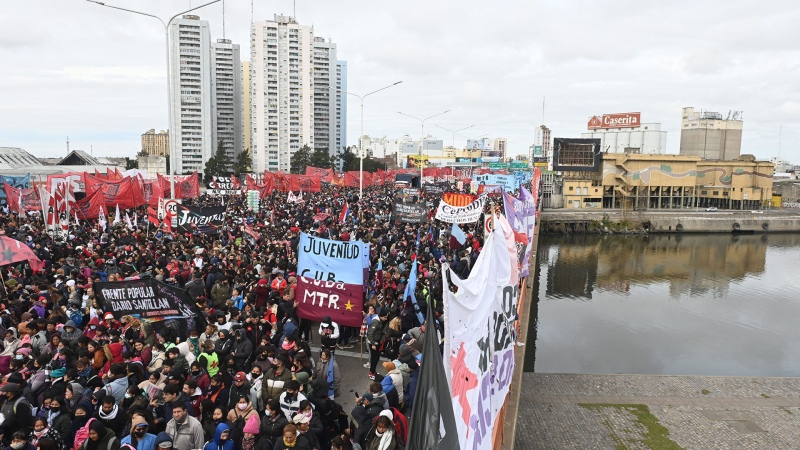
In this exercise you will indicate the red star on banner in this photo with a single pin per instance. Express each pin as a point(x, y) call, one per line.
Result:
point(463, 381)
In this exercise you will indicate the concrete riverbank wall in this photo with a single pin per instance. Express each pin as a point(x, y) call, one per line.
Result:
point(674, 222)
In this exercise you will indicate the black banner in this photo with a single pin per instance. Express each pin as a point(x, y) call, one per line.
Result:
point(410, 212)
point(433, 189)
point(145, 298)
point(205, 220)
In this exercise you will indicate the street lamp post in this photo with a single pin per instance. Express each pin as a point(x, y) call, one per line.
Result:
point(422, 139)
point(169, 82)
point(361, 137)
point(454, 132)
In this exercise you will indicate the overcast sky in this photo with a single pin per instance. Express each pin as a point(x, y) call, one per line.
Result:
point(73, 68)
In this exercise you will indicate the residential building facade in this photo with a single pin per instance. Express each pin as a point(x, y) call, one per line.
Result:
point(155, 144)
point(341, 105)
point(190, 79)
point(282, 91)
point(226, 102)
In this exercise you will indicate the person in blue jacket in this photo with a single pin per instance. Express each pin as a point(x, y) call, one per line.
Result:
point(139, 437)
point(221, 441)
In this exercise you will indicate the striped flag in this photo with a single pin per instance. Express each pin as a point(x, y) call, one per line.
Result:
point(345, 212)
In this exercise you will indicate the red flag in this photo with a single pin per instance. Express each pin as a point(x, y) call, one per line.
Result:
point(12, 250)
point(188, 187)
point(345, 212)
point(251, 233)
point(235, 181)
point(89, 207)
point(13, 198)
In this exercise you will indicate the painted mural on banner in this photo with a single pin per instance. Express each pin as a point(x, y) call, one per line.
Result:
point(144, 298)
point(205, 220)
point(329, 260)
point(342, 302)
point(509, 182)
point(479, 346)
point(460, 214)
point(410, 212)
point(20, 182)
point(521, 214)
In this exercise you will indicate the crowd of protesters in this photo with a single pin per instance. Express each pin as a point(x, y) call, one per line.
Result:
point(75, 377)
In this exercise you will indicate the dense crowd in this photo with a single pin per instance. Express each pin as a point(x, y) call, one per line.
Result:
point(243, 375)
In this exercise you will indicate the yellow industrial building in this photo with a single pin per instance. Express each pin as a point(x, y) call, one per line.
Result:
point(647, 181)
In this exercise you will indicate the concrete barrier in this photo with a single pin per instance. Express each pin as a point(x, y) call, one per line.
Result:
point(727, 224)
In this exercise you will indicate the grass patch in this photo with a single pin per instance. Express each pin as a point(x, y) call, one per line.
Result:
point(705, 392)
point(787, 410)
point(655, 436)
point(765, 395)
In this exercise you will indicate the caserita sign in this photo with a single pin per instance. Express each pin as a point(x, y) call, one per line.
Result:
point(618, 120)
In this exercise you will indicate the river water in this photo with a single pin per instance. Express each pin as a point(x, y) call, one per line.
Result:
point(687, 305)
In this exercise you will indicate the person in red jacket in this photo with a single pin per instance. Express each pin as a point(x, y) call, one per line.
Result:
point(262, 293)
point(278, 284)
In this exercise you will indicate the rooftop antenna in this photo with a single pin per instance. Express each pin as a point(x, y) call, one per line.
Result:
point(780, 134)
point(294, 10)
point(68, 145)
point(91, 150)
point(543, 99)
point(223, 19)
point(252, 8)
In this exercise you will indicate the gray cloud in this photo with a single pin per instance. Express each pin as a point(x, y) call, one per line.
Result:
point(71, 67)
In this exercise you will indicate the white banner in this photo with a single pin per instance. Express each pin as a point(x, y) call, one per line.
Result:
point(329, 260)
point(460, 214)
point(480, 340)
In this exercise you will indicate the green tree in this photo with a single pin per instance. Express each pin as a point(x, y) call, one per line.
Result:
point(321, 158)
point(350, 161)
point(131, 163)
point(300, 160)
point(243, 162)
point(219, 164)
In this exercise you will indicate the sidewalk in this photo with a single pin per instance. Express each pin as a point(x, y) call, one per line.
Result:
point(566, 411)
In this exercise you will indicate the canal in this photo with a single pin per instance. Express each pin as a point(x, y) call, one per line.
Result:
point(687, 305)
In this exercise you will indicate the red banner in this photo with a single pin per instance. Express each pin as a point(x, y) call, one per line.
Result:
point(89, 207)
point(75, 179)
point(317, 299)
point(152, 192)
point(127, 192)
point(305, 183)
point(187, 187)
point(325, 174)
point(13, 196)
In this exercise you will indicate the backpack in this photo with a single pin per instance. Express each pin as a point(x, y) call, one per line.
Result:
point(391, 347)
point(76, 317)
point(400, 424)
point(82, 434)
point(332, 418)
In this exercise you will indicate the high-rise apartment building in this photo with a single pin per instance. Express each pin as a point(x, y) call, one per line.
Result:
point(325, 85)
point(709, 136)
point(247, 123)
point(226, 102)
point(501, 147)
point(282, 91)
point(190, 78)
point(155, 144)
point(341, 105)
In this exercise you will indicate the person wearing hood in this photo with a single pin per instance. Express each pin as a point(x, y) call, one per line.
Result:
point(96, 355)
point(328, 333)
point(111, 415)
point(242, 349)
point(139, 438)
point(70, 334)
point(42, 430)
point(73, 395)
point(163, 441)
point(91, 328)
point(19, 441)
point(224, 344)
point(222, 439)
point(210, 417)
point(157, 357)
point(100, 438)
point(10, 346)
point(80, 416)
point(187, 351)
point(142, 351)
point(239, 415)
point(200, 375)
point(118, 382)
point(148, 335)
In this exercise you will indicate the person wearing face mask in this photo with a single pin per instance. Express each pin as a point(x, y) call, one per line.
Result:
point(321, 371)
point(200, 375)
point(139, 438)
point(19, 441)
point(274, 380)
point(238, 417)
point(314, 430)
point(222, 439)
point(111, 415)
point(274, 421)
point(58, 418)
point(291, 398)
point(81, 415)
point(100, 438)
point(42, 430)
point(10, 346)
point(16, 409)
point(242, 388)
point(210, 418)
